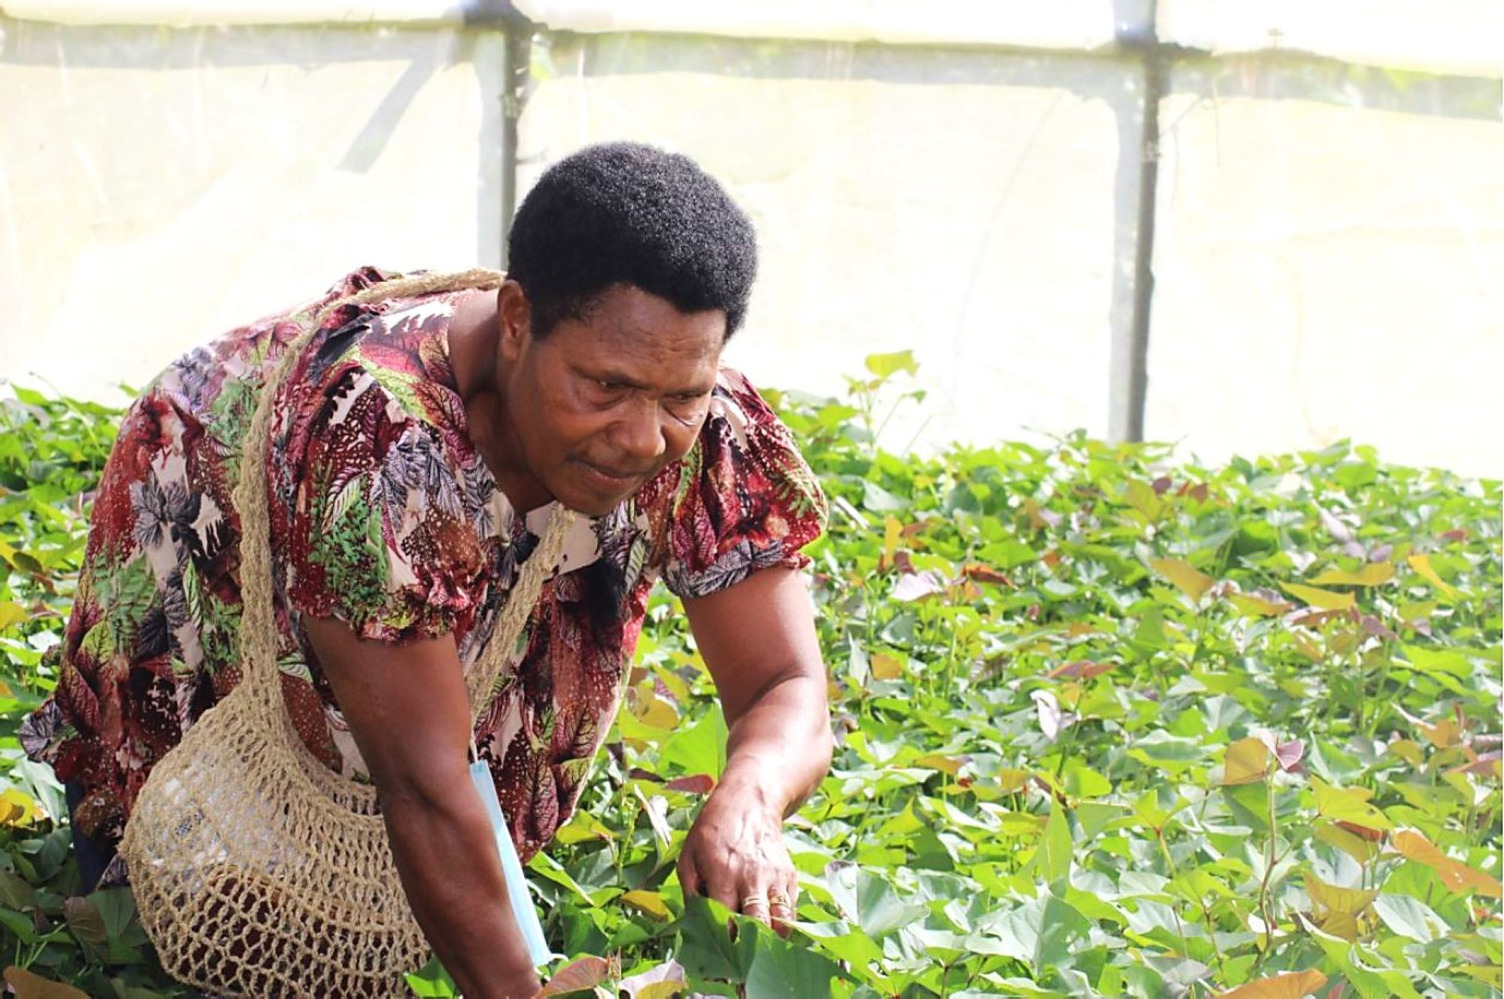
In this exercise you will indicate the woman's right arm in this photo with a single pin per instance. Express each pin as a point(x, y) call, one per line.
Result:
point(408, 711)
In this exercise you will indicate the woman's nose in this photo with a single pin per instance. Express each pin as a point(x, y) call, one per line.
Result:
point(640, 434)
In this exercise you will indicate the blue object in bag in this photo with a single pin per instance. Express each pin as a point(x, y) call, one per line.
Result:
point(511, 867)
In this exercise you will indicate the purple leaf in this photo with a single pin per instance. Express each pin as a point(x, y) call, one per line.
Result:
point(1289, 754)
point(918, 586)
point(1051, 718)
point(1339, 531)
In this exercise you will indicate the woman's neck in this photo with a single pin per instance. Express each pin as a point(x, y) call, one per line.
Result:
point(474, 335)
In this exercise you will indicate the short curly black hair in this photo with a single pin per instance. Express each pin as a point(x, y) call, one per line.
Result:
point(627, 213)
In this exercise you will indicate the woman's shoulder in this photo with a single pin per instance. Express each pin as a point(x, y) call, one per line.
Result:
point(382, 502)
point(386, 366)
point(743, 427)
point(401, 347)
point(742, 499)
point(744, 455)
point(736, 406)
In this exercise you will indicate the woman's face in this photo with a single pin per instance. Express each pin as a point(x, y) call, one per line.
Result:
point(600, 405)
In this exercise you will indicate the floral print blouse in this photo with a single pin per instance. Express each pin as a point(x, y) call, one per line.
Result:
point(384, 515)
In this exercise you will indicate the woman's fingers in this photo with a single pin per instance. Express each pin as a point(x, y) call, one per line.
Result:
point(765, 893)
point(736, 855)
point(752, 891)
point(782, 902)
point(700, 874)
point(689, 878)
point(772, 902)
point(780, 911)
point(755, 905)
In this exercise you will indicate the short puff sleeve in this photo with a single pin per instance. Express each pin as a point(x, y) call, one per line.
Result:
point(375, 530)
point(745, 498)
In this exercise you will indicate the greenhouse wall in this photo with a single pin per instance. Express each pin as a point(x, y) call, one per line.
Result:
point(1313, 255)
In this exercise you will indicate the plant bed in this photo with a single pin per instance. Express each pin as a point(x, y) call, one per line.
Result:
point(1108, 723)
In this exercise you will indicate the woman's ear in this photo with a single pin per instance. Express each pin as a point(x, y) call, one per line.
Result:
point(514, 313)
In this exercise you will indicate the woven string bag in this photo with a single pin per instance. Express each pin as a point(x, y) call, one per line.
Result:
point(258, 872)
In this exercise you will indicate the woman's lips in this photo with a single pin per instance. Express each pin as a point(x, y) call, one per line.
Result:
point(613, 476)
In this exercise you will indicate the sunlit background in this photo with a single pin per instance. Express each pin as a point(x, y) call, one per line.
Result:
point(1246, 227)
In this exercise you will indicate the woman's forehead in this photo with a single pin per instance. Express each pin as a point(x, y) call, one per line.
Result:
point(627, 320)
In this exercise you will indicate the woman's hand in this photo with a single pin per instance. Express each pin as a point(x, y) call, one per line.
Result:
point(523, 985)
point(735, 854)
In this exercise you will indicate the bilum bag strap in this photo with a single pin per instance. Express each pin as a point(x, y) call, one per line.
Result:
point(258, 631)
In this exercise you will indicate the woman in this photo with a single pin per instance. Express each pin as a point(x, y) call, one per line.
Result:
point(420, 447)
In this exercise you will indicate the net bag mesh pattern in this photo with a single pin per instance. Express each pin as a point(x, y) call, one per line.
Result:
point(257, 871)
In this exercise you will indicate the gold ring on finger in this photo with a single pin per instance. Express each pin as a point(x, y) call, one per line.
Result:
point(752, 900)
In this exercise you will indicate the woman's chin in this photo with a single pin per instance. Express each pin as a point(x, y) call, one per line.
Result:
point(594, 493)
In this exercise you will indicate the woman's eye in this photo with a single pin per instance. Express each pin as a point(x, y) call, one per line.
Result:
point(686, 407)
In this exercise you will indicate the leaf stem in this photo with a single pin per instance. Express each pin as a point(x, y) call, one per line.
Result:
point(1264, 910)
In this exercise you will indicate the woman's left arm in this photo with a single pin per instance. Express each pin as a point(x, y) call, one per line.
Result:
point(758, 640)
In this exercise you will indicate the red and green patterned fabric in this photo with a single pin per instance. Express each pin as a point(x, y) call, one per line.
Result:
point(384, 515)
